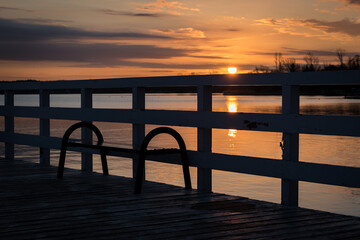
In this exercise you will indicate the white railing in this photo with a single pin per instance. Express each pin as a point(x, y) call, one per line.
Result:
point(289, 122)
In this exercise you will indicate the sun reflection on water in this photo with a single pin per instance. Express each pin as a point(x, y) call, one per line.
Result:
point(232, 133)
point(232, 108)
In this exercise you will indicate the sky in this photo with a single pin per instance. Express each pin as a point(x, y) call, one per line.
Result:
point(90, 39)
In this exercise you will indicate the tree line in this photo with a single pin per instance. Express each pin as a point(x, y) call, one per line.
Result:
point(311, 64)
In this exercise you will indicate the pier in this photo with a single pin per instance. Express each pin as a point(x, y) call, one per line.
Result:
point(36, 205)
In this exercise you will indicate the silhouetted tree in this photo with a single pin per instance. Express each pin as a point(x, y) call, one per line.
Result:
point(278, 62)
point(354, 63)
point(311, 63)
point(290, 65)
point(340, 53)
point(213, 71)
point(330, 67)
point(262, 69)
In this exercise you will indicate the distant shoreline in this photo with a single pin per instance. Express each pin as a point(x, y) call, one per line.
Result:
point(347, 91)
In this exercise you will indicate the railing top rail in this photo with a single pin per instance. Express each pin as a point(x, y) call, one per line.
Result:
point(301, 78)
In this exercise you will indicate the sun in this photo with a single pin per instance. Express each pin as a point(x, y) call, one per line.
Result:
point(232, 107)
point(232, 70)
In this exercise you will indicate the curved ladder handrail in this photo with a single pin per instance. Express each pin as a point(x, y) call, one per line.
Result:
point(65, 141)
point(144, 145)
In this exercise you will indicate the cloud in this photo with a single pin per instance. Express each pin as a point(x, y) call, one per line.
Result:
point(302, 52)
point(42, 21)
point(157, 65)
point(181, 32)
point(325, 11)
point(14, 9)
point(174, 8)
point(290, 25)
point(131, 14)
point(354, 2)
point(26, 32)
point(209, 57)
point(27, 40)
point(233, 30)
point(321, 53)
point(349, 27)
point(163, 66)
point(346, 4)
point(103, 55)
point(97, 53)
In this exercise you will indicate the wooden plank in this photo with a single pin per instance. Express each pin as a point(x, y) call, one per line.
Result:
point(345, 229)
point(138, 129)
point(9, 124)
point(290, 144)
point(91, 206)
point(44, 102)
point(204, 138)
point(265, 230)
point(86, 134)
point(171, 217)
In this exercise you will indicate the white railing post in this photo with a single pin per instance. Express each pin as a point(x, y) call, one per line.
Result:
point(86, 134)
point(9, 124)
point(44, 127)
point(138, 104)
point(290, 106)
point(204, 138)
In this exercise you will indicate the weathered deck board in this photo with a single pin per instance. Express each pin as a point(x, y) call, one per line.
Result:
point(35, 205)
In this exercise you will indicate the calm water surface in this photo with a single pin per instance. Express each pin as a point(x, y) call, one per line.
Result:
point(336, 150)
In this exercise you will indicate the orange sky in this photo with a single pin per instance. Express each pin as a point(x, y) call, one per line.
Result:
point(83, 39)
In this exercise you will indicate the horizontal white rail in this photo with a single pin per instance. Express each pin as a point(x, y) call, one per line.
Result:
point(301, 171)
point(289, 122)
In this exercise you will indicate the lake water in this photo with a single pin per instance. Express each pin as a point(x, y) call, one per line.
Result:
point(336, 150)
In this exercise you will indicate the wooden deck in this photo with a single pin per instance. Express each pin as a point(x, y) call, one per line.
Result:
point(35, 205)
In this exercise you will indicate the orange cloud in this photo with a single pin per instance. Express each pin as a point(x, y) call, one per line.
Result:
point(313, 27)
point(182, 32)
point(325, 11)
point(347, 4)
point(354, 2)
point(14, 9)
point(165, 6)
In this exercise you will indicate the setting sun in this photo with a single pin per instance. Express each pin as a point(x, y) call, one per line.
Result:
point(232, 107)
point(232, 70)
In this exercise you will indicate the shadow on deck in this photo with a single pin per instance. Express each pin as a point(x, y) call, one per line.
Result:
point(35, 205)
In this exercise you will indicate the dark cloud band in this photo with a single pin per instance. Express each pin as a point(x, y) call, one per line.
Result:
point(131, 14)
point(355, 2)
point(88, 53)
point(302, 52)
point(11, 31)
point(346, 26)
point(14, 9)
